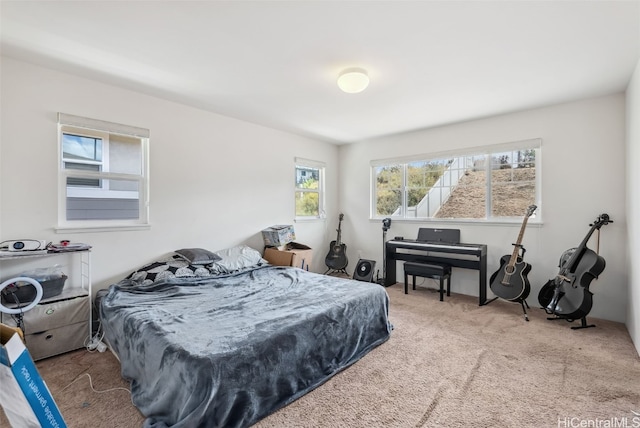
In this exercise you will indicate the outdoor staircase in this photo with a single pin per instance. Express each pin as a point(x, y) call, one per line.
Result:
point(441, 190)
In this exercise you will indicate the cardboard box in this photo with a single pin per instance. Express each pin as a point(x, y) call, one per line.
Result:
point(25, 398)
point(294, 254)
point(278, 235)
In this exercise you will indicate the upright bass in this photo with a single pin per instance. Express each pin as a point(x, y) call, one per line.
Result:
point(567, 296)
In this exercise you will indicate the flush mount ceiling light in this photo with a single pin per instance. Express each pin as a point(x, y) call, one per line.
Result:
point(353, 80)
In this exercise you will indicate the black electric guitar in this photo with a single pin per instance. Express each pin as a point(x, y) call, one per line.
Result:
point(337, 257)
point(510, 281)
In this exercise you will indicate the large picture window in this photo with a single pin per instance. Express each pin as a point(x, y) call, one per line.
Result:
point(493, 183)
point(309, 189)
point(103, 174)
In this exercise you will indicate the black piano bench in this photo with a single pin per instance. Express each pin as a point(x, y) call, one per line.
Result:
point(435, 271)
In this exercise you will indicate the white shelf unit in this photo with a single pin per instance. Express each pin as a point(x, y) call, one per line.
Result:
point(65, 313)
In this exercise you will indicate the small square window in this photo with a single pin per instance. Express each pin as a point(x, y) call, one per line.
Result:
point(103, 174)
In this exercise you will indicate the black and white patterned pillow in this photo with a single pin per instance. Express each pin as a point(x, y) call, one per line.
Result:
point(173, 266)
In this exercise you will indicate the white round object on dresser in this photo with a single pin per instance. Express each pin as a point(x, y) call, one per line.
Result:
point(31, 305)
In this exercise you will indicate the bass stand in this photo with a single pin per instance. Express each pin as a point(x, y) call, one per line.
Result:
point(386, 224)
point(583, 322)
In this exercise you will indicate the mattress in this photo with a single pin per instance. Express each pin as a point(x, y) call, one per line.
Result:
point(228, 350)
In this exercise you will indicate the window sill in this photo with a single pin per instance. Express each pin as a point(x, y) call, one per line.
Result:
point(308, 219)
point(119, 228)
point(470, 222)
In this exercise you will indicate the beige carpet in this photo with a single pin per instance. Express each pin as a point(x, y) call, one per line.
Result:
point(449, 364)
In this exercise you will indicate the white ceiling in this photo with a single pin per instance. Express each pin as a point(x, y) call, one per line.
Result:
point(275, 63)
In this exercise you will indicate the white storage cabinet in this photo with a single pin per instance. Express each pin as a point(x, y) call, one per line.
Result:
point(59, 323)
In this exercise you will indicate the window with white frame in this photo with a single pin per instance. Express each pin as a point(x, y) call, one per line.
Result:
point(103, 174)
point(309, 189)
point(491, 183)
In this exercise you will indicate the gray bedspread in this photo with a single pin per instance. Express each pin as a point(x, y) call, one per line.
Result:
point(228, 351)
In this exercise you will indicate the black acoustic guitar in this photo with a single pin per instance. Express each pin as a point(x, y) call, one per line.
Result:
point(337, 257)
point(510, 281)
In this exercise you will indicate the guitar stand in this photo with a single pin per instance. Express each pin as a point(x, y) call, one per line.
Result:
point(523, 302)
point(583, 322)
point(336, 271)
point(525, 306)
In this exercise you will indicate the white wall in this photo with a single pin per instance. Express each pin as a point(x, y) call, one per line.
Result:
point(202, 193)
point(583, 175)
point(215, 181)
point(633, 205)
point(1, 105)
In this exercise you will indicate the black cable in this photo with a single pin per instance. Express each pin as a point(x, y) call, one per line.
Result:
point(19, 319)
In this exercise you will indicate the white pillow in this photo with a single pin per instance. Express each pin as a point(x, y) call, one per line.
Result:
point(236, 258)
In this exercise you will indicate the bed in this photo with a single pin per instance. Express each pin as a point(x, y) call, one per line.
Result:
point(226, 342)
